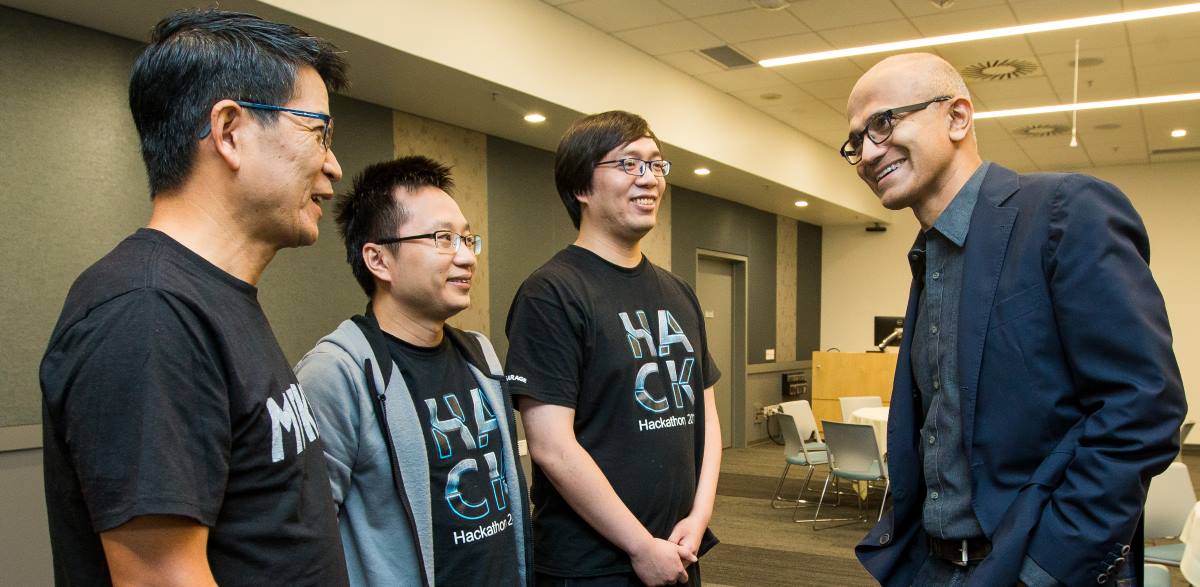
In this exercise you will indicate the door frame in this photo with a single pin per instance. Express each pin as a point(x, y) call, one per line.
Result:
point(736, 372)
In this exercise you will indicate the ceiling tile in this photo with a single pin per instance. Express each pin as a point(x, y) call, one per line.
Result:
point(925, 7)
point(803, 73)
point(1096, 37)
point(557, 2)
point(834, 89)
point(870, 34)
point(1165, 51)
point(1184, 26)
point(690, 63)
point(748, 25)
point(831, 14)
point(669, 38)
point(963, 21)
point(838, 105)
point(1030, 11)
point(695, 8)
point(961, 55)
point(1053, 153)
point(735, 80)
point(1110, 80)
point(1006, 152)
point(1015, 93)
point(619, 15)
point(1163, 118)
point(783, 46)
point(990, 130)
point(1168, 78)
point(786, 96)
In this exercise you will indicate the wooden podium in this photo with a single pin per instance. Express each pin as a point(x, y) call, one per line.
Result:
point(836, 375)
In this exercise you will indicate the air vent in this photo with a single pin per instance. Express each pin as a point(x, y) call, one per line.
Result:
point(1043, 130)
point(728, 57)
point(1179, 151)
point(999, 69)
point(1107, 126)
point(1086, 62)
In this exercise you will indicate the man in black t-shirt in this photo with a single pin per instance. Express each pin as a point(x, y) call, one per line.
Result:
point(608, 355)
point(178, 443)
point(419, 434)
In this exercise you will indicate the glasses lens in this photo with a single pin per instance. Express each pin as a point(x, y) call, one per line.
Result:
point(631, 166)
point(660, 168)
point(445, 240)
point(879, 128)
point(475, 242)
point(851, 153)
point(327, 138)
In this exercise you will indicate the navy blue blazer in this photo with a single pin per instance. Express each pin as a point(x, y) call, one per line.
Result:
point(1072, 398)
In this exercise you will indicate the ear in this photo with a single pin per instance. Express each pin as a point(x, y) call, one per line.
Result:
point(228, 123)
point(962, 118)
point(378, 261)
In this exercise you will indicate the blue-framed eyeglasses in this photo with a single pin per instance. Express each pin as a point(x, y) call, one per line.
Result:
point(444, 240)
point(326, 130)
point(633, 166)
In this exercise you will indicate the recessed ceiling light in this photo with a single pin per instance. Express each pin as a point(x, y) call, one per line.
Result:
point(702, 171)
point(534, 117)
point(801, 204)
point(1039, 27)
point(1179, 133)
point(1089, 105)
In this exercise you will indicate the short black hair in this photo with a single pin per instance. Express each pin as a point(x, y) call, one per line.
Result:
point(197, 58)
point(370, 212)
point(584, 145)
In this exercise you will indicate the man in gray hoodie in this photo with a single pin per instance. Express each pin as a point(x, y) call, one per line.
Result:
point(419, 434)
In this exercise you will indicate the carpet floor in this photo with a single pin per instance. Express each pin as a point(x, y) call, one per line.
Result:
point(763, 547)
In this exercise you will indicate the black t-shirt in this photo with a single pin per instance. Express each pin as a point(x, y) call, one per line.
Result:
point(166, 393)
point(474, 542)
point(626, 348)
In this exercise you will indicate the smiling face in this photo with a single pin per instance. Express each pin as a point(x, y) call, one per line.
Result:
point(288, 172)
point(918, 160)
point(619, 205)
point(425, 281)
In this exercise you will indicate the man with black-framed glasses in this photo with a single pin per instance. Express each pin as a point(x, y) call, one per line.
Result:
point(179, 447)
point(1036, 390)
point(417, 425)
point(609, 360)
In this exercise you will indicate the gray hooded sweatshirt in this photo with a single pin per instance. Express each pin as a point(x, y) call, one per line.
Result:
point(381, 484)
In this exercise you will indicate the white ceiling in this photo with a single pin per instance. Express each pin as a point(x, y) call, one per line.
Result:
point(1144, 58)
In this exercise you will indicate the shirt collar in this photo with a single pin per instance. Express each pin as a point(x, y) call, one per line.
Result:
point(955, 220)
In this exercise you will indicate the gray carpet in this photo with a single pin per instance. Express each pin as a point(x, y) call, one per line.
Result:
point(761, 546)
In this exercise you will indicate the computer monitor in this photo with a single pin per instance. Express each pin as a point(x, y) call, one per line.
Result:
point(885, 326)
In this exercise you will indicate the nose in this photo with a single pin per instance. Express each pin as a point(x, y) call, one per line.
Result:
point(872, 152)
point(331, 168)
point(465, 256)
point(647, 178)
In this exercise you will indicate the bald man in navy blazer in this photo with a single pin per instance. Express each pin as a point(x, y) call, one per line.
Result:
point(1036, 389)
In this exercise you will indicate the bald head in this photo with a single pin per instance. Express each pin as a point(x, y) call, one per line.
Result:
point(911, 77)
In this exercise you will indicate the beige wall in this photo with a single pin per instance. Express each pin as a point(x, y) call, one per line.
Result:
point(465, 151)
point(785, 289)
point(865, 274)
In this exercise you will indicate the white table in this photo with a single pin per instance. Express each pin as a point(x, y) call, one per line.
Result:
point(877, 418)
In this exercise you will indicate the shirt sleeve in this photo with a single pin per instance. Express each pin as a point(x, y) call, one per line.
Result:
point(146, 413)
point(545, 352)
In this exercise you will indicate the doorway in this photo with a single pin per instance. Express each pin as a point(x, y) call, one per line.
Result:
point(720, 286)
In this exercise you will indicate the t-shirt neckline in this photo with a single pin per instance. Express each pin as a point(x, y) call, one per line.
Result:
point(629, 271)
point(200, 262)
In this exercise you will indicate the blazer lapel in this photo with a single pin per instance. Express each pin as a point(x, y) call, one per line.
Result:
point(987, 242)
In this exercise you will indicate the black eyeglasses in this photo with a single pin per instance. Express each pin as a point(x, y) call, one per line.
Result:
point(879, 128)
point(632, 166)
point(326, 130)
point(444, 240)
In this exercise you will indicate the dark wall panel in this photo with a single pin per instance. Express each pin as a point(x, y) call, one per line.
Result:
point(700, 221)
point(808, 290)
point(527, 223)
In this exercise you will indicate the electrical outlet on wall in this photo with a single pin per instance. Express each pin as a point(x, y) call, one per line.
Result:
point(770, 355)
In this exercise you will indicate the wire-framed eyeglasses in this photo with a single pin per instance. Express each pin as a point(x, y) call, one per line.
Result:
point(445, 241)
point(879, 128)
point(326, 129)
point(634, 166)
